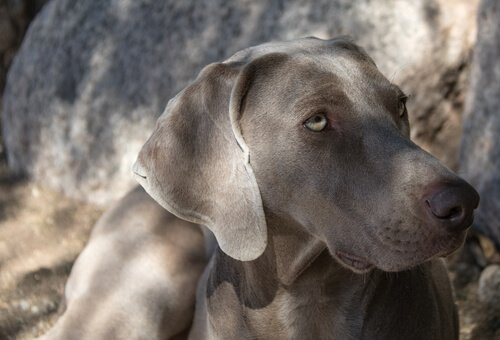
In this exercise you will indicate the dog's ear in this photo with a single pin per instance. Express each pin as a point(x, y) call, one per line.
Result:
point(199, 164)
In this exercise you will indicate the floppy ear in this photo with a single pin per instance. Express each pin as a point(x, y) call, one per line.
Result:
point(199, 163)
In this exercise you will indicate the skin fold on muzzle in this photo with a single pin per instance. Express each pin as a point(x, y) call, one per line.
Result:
point(297, 157)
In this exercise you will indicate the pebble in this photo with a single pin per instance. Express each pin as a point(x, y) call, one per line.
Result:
point(489, 286)
point(24, 305)
point(35, 310)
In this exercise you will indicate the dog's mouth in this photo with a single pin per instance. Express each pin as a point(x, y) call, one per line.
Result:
point(451, 244)
point(355, 263)
point(427, 249)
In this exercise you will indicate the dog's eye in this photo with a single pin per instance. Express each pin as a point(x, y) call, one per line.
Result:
point(316, 123)
point(402, 105)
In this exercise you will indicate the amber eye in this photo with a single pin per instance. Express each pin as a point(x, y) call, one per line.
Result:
point(316, 123)
point(402, 106)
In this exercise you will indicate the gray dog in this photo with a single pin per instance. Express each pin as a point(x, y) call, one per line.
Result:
point(329, 221)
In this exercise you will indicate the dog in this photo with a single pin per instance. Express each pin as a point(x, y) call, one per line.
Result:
point(136, 277)
point(329, 221)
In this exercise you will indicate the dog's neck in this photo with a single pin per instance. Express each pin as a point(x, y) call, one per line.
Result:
point(289, 253)
point(297, 274)
point(291, 250)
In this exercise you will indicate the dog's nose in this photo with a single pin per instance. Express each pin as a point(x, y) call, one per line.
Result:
point(453, 205)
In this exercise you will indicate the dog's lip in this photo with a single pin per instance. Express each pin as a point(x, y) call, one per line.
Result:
point(453, 244)
point(442, 247)
point(357, 263)
point(138, 171)
point(139, 175)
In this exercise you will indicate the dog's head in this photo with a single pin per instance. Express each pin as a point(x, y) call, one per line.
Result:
point(309, 130)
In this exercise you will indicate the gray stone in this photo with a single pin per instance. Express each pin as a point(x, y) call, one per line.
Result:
point(480, 150)
point(489, 286)
point(92, 76)
point(15, 16)
point(7, 31)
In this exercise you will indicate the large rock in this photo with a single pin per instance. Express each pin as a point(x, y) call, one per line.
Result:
point(480, 151)
point(15, 16)
point(92, 76)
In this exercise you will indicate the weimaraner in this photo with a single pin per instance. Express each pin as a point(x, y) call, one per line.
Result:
point(329, 221)
point(136, 278)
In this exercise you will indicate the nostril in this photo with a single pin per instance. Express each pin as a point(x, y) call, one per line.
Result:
point(428, 204)
point(448, 213)
point(454, 212)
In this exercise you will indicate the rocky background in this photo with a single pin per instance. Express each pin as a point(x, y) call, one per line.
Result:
point(15, 16)
point(91, 76)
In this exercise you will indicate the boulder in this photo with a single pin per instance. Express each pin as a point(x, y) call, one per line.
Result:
point(480, 149)
point(15, 16)
point(92, 76)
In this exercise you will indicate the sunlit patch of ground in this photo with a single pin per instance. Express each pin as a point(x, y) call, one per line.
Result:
point(41, 234)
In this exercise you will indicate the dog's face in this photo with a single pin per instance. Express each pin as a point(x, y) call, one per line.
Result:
point(325, 137)
point(334, 154)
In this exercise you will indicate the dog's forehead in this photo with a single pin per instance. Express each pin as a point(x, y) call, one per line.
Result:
point(339, 58)
point(324, 69)
point(356, 75)
point(330, 76)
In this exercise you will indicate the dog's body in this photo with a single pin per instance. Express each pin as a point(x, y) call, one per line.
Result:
point(136, 278)
point(328, 218)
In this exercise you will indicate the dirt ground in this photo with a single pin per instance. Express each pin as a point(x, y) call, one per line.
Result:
point(42, 232)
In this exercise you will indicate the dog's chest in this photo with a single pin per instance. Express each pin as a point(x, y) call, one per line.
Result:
point(312, 313)
point(334, 307)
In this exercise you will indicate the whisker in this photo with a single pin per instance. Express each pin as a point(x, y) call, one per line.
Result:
point(396, 72)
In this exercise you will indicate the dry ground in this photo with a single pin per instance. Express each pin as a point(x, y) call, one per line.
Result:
point(42, 232)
